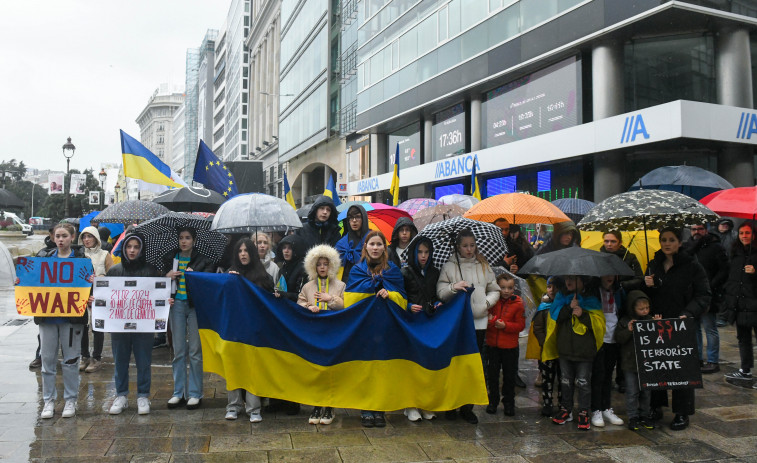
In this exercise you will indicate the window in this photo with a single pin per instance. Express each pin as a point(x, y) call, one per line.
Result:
point(443, 24)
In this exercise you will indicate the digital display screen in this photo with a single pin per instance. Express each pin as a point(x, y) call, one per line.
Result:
point(409, 139)
point(544, 180)
point(445, 190)
point(448, 132)
point(539, 103)
point(500, 185)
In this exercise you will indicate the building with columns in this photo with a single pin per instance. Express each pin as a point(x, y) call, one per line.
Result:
point(555, 97)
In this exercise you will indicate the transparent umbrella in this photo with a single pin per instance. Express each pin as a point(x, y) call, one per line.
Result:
point(251, 212)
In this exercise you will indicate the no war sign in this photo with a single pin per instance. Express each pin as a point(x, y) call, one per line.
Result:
point(51, 287)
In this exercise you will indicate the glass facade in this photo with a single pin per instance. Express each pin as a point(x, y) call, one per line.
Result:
point(305, 70)
point(306, 121)
point(666, 69)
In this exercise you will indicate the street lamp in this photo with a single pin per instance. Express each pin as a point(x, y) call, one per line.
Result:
point(68, 153)
point(102, 176)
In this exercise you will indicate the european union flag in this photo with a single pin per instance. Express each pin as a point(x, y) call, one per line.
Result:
point(212, 173)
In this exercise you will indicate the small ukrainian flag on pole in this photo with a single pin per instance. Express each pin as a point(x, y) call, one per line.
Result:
point(395, 188)
point(330, 191)
point(288, 192)
point(475, 189)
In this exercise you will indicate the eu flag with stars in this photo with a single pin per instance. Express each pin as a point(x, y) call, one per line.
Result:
point(212, 173)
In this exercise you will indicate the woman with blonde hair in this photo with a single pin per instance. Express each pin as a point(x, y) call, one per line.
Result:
point(263, 243)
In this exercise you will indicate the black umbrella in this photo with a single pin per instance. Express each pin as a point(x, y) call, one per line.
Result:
point(190, 199)
point(489, 239)
point(576, 261)
point(160, 237)
point(129, 212)
point(689, 180)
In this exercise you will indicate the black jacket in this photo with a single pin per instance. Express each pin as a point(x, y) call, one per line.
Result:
point(293, 271)
point(197, 262)
point(49, 247)
point(420, 284)
point(629, 282)
point(713, 258)
point(553, 244)
point(741, 287)
point(727, 239)
point(77, 252)
point(314, 232)
point(394, 242)
point(682, 290)
point(571, 345)
point(623, 336)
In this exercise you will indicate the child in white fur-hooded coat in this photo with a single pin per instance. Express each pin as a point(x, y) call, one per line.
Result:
point(322, 292)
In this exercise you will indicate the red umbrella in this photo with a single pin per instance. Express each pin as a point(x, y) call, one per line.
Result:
point(734, 202)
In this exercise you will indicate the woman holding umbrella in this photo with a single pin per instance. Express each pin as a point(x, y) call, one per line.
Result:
point(183, 322)
point(467, 270)
point(677, 286)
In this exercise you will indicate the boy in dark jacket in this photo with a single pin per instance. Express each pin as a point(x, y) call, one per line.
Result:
point(291, 252)
point(637, 401)
point(404, 232)
point(506, 321)
point(322, 226)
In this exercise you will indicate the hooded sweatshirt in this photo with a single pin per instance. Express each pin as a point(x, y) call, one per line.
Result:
point(351, 244)
point(623, 336)
point(554, 244)
point(293, 270)
point(96, 254)
point(330, 284)
point(420, 282)
point(394, 248)
point(314, 232)
point(133, 268)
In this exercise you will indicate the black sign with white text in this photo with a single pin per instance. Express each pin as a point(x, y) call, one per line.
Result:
point(666, 354)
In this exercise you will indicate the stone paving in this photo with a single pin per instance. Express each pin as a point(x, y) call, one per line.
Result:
point(723, 429)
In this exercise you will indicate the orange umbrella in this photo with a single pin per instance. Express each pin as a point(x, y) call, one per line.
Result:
point(516, 208)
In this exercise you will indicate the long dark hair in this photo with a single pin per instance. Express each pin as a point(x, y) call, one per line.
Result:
point(382, 263)
point(254, 271)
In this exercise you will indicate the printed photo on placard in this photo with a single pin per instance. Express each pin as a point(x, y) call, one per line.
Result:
point(128, 304)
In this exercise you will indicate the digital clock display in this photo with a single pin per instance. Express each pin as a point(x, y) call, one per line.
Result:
point(539, 103)
point(448, 132)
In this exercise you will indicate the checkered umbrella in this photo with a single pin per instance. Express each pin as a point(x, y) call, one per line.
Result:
point(160, 237)
point(489, 239)
point(129, 212)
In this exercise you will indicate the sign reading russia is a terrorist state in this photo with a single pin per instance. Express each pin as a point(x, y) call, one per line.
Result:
point(52, 287)
point(666, 354)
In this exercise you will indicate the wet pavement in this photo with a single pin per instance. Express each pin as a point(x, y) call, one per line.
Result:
point(723, 429)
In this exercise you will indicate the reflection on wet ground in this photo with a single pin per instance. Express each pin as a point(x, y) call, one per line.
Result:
point(724, 428)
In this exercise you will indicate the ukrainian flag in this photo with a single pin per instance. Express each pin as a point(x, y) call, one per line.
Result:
point(374, 355)
point(395, 188)
point(591, 305)
point(475, 189)
point(330, 191)
point(141, 163)
point(288, 192)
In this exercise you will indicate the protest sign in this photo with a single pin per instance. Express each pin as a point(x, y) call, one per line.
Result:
point(130, 304)
point(666, 354)
point(52, 287)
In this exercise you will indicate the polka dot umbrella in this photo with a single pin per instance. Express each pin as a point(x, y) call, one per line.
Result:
point(129, 212)
point(160, 237)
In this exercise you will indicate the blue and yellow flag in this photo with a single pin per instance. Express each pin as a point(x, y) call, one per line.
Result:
point(475, 190)
point(330, 191)
point(371, 356)
point(142, 164)
point(212, 173)
point(395, 188)
point(288, 192)
point(590, 304)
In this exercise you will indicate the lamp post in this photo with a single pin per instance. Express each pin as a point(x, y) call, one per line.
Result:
point(68, 153)
point(102, 176)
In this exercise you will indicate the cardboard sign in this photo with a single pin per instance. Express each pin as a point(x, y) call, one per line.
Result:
point(52, 287)
point(131, 304)
point(666, 354)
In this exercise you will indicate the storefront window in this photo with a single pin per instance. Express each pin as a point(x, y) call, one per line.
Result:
point(409, 140)
point(662, 70)
point(445, 190)
point(448, 132)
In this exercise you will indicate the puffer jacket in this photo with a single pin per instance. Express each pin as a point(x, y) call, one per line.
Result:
point(512, 312)
point(293, 270)
point(485, 292)
point(682, 290)
point(623, 336)
point(394, 242)
point(76, 252)
point(335, 287)
point(314, 232)
point(741, 287)
point(553, 244)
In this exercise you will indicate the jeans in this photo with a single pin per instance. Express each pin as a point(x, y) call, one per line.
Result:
point(239, 398)
point(507, 361)
point(744, 335)
point(186, 344)
point(550, 372)
point(637, 400)
point(601, 376)
point(707, 322)
point(580, 374)
point(123, 345)
point(66, 337)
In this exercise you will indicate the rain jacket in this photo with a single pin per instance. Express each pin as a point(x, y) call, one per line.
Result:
point(741, 287)
point(293, 270)
point(335, 286)
point(554, 243)
point(623, 336)
point(683, 290)
point(76, 252)
point(394, 242)
point(314, 232)
point(97, 255)
point(350, 246)
point(628, 282)
point(485, 292)
point(512, 312)
point(713, 258)
point(420, 283)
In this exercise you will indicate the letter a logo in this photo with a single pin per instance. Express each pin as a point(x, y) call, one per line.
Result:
point(633, 126)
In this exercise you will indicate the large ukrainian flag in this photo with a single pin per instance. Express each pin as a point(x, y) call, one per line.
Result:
point(141, 163)
point(374, 355)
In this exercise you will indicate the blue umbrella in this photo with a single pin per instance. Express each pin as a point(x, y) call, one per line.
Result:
point(692, 181)
point(115, 228)
point(574, 208)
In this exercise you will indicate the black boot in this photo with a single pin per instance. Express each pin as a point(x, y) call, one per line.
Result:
point(680, 422)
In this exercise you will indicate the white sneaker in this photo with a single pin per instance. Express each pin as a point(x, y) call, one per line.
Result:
point(48, 410)
point(428, 415)
point(256, 418)
point(231, 415)
point(119, 405)
point(143, 406)
point(413, 414)
point(69, 410)
point(596, 419)
point(610, 416)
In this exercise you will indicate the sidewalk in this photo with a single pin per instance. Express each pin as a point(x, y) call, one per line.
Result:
point(724, 428)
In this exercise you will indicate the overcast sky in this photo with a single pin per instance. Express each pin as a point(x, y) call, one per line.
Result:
point(86, 69)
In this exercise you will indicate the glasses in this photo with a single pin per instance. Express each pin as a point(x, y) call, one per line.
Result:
point(697, 228)
point(354, 218)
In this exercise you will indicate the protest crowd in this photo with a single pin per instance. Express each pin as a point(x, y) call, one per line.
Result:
point(580, 324)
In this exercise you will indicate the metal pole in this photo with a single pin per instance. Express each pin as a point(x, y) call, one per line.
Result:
point(68, 163)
